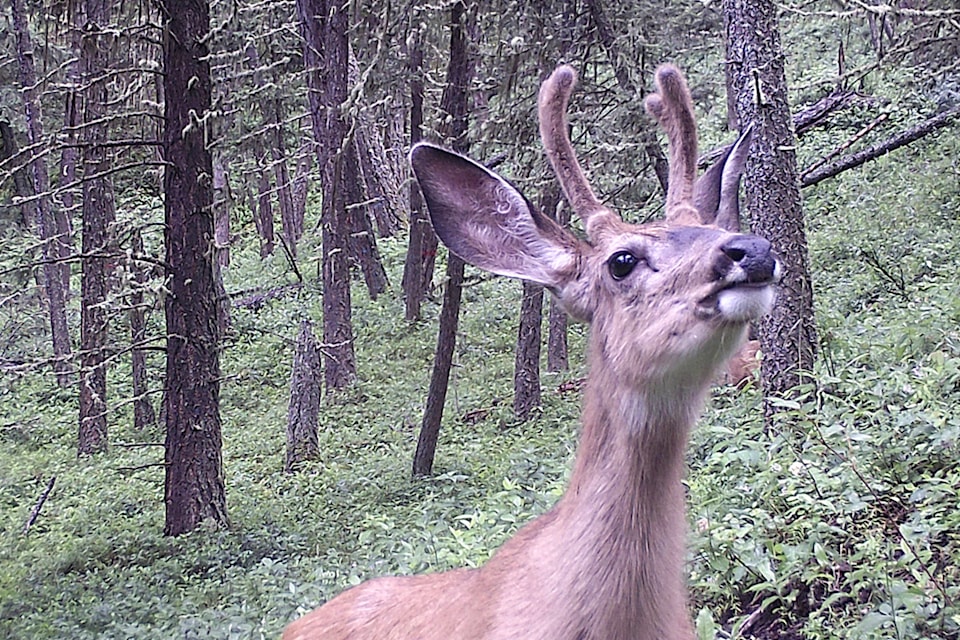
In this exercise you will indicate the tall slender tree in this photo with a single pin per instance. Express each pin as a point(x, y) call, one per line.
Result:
point(98, 218)
point(324, 26)
point(755, 74)
point(43, 219)
point(454, 105)
point(421, 236)
point(194, 487)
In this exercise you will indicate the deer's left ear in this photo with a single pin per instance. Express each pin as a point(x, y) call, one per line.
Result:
point(483, 219)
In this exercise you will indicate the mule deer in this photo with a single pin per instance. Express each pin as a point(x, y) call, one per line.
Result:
point(668, 303)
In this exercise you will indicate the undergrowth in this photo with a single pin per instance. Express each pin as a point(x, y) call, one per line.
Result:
point(841, 523)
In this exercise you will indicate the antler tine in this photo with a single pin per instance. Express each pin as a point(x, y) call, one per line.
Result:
point(672, 106)
point(554, 96)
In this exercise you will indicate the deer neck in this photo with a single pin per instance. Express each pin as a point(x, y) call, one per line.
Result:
point(631, 453)
point(624, 510)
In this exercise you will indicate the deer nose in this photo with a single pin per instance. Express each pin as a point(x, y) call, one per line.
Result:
point(754, 255)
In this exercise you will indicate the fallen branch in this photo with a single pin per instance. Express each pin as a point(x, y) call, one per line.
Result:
point(141, 467)
point(902, 139)
point(36, 508)
point(846, 144)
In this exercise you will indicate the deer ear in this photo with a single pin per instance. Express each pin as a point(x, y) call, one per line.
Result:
point(484, 219)
point(716, 193)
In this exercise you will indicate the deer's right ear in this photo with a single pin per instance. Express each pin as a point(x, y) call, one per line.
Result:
point(485, 220)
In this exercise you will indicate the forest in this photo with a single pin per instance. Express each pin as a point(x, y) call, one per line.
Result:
point(239, 374)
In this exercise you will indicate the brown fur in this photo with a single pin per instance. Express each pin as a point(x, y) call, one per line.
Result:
point(606, 563)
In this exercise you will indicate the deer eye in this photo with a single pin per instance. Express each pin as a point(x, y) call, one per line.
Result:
point(621, 264)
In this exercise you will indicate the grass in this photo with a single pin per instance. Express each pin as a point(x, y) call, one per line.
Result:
point(842, 525)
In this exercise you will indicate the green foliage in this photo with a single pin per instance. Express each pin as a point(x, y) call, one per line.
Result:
point(842, 524)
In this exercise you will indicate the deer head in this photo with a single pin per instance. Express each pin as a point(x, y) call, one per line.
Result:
point(667, 297)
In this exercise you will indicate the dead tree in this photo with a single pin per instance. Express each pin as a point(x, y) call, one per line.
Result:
point(304, 407)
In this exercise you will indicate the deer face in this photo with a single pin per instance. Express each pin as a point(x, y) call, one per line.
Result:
point(668, 299)
point(664, 298)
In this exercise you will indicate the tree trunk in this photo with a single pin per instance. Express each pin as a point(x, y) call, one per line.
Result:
point(263, 213)
point(42, 215)
point(413, 285)
point(755, 64)
point(222, 207)
point(194, 487)
point(292, 228)
point(324, 28)
point(304, 409)
point(526, 371)
point(363, 240)
point(98, 220)
point(301, 180)
point(453, 103)
point(143, 413)
point(21, 180)
point(557, 318)
point(442, 364)
point(69, 156)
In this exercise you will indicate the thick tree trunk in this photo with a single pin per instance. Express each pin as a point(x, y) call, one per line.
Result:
point(324, 27)
point(194, 487)
point(379, 179)
point(98, 220)
point(460, 70)
point(304, 409)
point(43, 219)
point(755, 64)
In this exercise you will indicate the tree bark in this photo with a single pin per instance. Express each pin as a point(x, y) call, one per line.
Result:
point(301, 179)
point(292, 226)
point(324, 28)
point(414, 287)
point(453, 103)
point(442, 364)
point(526, 370)
point(222, 207)
point(756, 67)
point(263, 213)
point(21, 180)
point(43, 220)
point(144, 415)
point(194, 487)
point(363, 240)
point(304, 408)
point(98, 220)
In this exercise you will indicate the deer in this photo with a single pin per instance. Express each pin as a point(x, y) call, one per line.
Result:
point(668, 302)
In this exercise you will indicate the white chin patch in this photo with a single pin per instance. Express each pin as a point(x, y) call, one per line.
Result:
point(743, 304)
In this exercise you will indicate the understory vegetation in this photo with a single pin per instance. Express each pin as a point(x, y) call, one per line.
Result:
point(842, 523)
